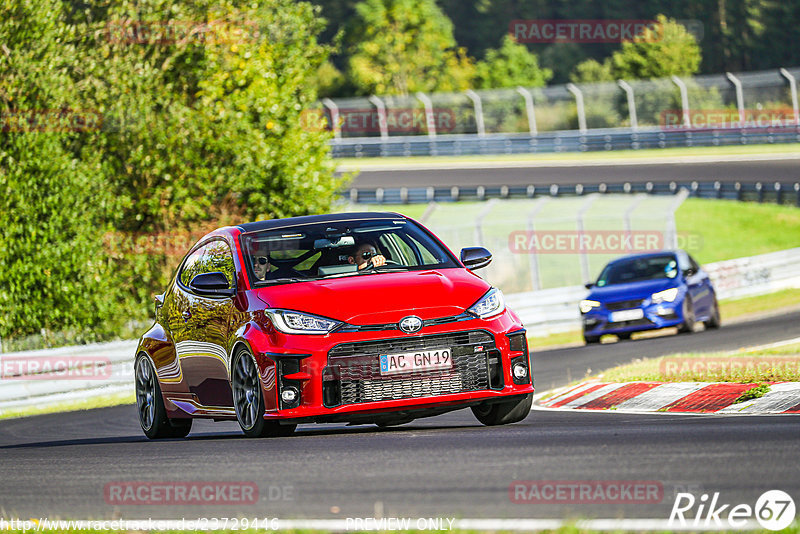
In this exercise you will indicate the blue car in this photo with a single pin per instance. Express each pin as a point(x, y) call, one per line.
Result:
point(647, 292)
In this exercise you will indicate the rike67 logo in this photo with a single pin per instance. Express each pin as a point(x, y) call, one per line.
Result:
point(774, 510)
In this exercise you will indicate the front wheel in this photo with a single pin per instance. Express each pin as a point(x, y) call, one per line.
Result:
point(150, 405)
point(249, 402)
point(504, 413)
point(687, 327)
point(714, 320)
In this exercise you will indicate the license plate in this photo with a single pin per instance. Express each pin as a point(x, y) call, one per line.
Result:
point(409, 362)
point(626, 315)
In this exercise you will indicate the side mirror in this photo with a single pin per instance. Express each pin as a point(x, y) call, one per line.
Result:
point(475, 257)
point(588, 285)
point(212, 284)
point(689, 272)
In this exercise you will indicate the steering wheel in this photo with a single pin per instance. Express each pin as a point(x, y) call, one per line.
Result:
point(371, 265)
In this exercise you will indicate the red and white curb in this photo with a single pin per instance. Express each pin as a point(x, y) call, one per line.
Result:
point(672, 397)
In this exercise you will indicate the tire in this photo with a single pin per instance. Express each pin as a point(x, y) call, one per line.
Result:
point(714, 321)
point(624, 336)
point(687, 327)
point(591, 339)
point(504, 413)
point(248, 400)
point(150, 405)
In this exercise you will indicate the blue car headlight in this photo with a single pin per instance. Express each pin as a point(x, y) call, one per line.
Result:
point(292, 322)
point(668, 295)
point(587, 305)
point(491, 304)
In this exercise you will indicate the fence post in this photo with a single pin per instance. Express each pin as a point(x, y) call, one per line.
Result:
point(631, 103)
point(584, 254)
point(536, 280)
point(476, 102)
point(739, 96)
point(671, 231)
point(627, 216)
point(793, 87)
point(479, 221)
point(334, 109)
point(382, 121)
point(430, 120)
point(687, 122)
point(529, 109)
point(572, 88)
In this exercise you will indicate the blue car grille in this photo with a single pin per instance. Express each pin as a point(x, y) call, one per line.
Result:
point(624, 304)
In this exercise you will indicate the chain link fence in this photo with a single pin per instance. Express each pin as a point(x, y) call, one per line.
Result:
point(765, 99)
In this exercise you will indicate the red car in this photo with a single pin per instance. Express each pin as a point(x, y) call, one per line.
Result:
point(363, 318)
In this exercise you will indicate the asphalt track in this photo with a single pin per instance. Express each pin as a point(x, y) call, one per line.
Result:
point(780, 168)
point(448, 466)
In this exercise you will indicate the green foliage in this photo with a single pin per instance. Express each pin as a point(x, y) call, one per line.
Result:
point(511, 65)
point(669, 49)
point(202, 108)
point(591, 71)
point(51, 270)
point(404, 46)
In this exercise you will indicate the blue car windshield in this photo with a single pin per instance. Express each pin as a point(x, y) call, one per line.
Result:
point(639, 269)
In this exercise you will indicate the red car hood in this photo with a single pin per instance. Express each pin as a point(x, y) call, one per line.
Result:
point(381, 298)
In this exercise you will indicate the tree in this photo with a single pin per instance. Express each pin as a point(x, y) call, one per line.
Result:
point(52, 269)
point(666, 50)
point(511, 65)
point(592, 71)
point(403, 46)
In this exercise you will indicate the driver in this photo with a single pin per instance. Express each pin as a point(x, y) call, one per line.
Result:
point(365, 254)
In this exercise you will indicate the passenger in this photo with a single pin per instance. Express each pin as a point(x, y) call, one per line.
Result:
point(366, 253)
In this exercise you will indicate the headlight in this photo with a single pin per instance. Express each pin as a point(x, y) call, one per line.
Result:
point(491, 304)
point(587, 305)
point(668, 295)
point(292, 322)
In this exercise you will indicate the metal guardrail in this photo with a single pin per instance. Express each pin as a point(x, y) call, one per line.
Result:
point(558, 141)
point(543, 311)
point(778, 192)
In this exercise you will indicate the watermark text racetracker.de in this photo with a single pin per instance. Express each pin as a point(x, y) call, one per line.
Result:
point(583, 30)
point(675, 367)
point(135, 493)
point(66, 367)
point(596, 241)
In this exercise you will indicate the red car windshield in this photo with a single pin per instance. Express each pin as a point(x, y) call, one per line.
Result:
point(343, 248)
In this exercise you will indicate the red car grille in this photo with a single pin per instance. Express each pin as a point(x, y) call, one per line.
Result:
point(354, 375)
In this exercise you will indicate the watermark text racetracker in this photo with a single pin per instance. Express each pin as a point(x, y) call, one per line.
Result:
point(586, 491)
point(134, 493)
point(596, 241)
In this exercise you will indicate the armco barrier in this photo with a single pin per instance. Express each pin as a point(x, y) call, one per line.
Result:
point(777, 192)
point(559, 141)
point(544, 311)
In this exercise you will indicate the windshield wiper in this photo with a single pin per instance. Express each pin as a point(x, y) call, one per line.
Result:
point(283, 280)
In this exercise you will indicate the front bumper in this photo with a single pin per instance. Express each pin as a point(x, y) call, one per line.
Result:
point(338, 375)
point(654, 316)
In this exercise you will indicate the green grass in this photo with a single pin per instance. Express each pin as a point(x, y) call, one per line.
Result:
point(753, 393)
point(72, 406)
point(366, 163)
point(743, 366)
point(729, 229)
